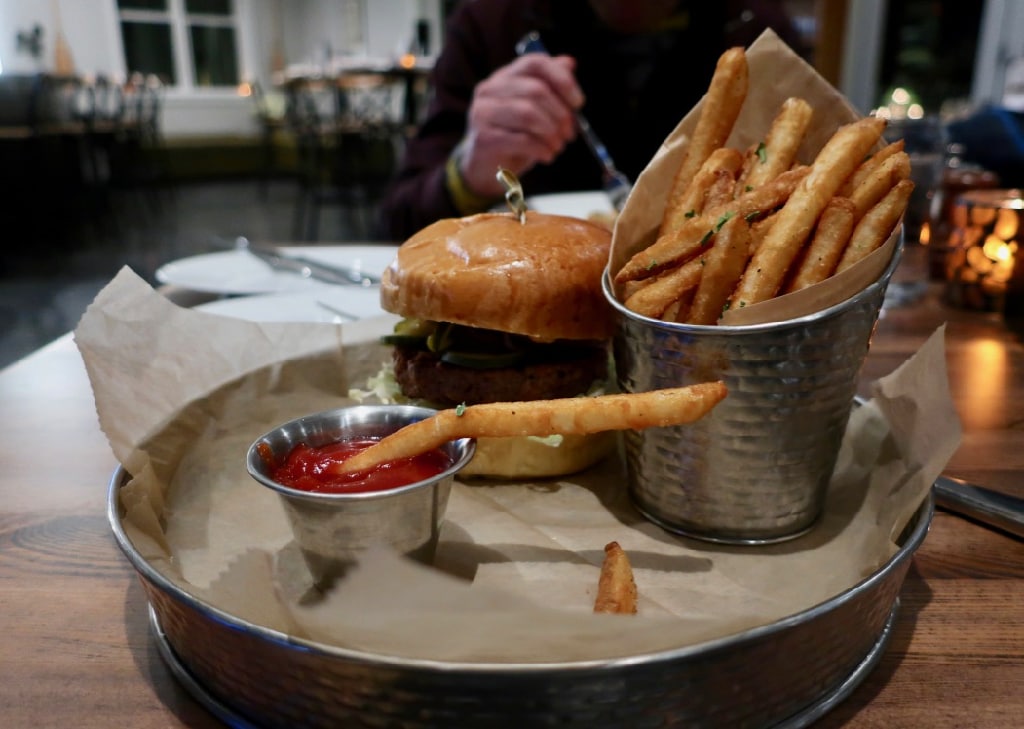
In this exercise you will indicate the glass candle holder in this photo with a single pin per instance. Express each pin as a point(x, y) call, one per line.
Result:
point(982, 249)
point(958, 178)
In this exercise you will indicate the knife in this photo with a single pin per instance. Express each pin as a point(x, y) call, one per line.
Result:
point(616, 184)
point(311, 269)
point(995, 509)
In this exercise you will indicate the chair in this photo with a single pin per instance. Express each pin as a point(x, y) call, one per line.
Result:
point(272, 123)
point(371, 127)
point(100, 108)
point(140, 159)
point(74, 125)
point(344, 137)
point(41, 177)
point(367, 103)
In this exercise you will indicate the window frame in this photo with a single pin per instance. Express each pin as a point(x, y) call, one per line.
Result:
point(183, 56)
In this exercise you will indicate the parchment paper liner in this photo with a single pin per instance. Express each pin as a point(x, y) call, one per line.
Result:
point(180, 394)
point(776, 73)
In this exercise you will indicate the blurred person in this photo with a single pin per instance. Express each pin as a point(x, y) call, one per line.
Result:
point(632, 67)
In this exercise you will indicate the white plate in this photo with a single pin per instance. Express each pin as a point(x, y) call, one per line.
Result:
point(575, 204)
point(239, 272)
point(325, 304)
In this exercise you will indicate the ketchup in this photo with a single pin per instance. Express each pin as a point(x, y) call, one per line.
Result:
point(309, 469)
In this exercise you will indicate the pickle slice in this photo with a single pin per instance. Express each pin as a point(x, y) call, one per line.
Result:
point(404, 340)
point(483, 360)
point(440, 338)
point(410, 333)
point(414, 327)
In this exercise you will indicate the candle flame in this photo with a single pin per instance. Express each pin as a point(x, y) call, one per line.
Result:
point(978, 260)
point(996, 249)
point(1006, 224)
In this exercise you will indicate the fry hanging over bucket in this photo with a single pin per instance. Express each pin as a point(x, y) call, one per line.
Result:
point(565, 416)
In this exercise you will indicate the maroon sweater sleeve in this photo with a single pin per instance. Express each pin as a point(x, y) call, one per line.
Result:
point(633, 99)
point(478, 41)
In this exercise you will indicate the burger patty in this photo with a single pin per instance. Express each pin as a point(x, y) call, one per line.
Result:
point(421, 374)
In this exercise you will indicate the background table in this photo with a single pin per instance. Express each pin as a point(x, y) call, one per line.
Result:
point(76, 648)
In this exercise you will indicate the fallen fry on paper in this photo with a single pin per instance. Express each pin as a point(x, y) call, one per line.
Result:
point(616, 588)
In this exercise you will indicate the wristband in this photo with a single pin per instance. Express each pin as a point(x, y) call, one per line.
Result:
point(465, 200)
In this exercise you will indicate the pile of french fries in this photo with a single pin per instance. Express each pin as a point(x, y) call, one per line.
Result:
point(741, 227)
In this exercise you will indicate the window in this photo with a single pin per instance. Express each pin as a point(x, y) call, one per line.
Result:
point(148, 48)
point(929, 49)
point(187, 43)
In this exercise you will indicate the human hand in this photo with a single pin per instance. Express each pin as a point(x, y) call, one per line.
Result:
point(520, 115)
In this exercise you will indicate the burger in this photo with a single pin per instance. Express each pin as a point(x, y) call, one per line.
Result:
point(497, 309)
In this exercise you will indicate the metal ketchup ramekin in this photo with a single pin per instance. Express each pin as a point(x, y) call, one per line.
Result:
point(333, 529)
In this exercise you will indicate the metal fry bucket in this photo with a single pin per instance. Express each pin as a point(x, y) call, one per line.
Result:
point(756, 469)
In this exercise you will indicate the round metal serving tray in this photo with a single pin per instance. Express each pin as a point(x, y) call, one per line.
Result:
point(785, 674)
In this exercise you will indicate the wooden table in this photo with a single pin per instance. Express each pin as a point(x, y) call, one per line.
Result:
point(76, 648)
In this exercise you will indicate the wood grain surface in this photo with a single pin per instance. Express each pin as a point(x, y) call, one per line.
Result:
point(77, 652)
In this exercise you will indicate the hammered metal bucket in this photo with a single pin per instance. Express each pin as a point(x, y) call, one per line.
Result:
point(756, 469)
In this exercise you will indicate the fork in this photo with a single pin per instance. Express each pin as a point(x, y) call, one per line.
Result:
point(616, 185)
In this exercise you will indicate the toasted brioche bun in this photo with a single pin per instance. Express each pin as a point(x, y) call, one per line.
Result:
point(541, 278)
point(526, 458)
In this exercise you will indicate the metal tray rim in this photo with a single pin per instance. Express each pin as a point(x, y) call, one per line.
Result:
point(806, 716)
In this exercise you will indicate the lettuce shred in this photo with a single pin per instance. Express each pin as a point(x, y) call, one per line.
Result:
point(552, 441)
point(382, 386)
point(598, 387)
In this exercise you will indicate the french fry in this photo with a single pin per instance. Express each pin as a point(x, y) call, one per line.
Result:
point(874, 187)
point(830, 238)
point(691, 237)
point(778, 152)
point(837, 159)
point(566, 416)
point(762, 200)
point(679, 309)
point(629, 288)
point(876, 225)
point(667, 251)
point(723, 266)
point(720, 108)
point(750, 158)
point(694, 198)
point(759, 229)
point(721, 191)
point(616, 587)
point(868, 166)
point(654, 298)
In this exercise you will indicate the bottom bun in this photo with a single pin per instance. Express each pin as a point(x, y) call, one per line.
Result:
point(523, 457)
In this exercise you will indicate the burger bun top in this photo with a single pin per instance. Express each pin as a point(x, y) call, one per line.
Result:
point(540, 278)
